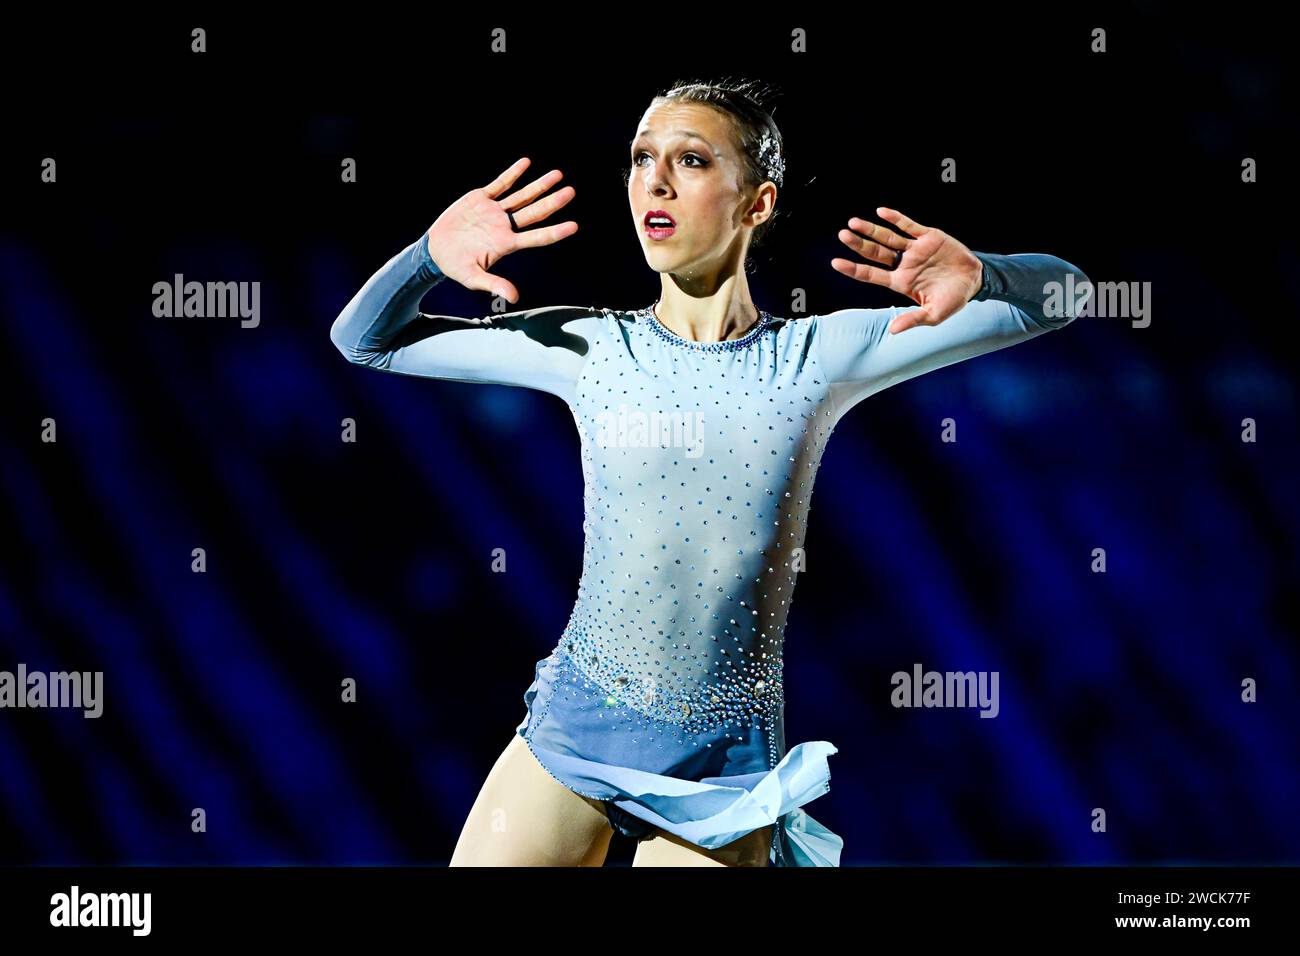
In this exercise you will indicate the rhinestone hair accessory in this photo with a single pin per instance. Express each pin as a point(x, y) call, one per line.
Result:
point(770, 158)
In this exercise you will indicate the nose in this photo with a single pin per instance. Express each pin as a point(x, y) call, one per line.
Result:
point(657, 181)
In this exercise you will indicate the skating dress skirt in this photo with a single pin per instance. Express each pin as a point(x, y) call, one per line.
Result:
point(709, 789)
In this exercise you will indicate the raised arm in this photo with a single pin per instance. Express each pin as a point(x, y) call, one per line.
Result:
point(546, 348)
point(967, 303)
point(860, 356)
point(382, 328)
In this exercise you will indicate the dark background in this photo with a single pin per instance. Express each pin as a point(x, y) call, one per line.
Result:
point(373, 560)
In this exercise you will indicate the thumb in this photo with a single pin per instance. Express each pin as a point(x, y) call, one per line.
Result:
point(908, 320)
point(497, 286)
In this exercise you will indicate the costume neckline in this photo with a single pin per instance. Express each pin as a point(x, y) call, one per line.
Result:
point(728, 345)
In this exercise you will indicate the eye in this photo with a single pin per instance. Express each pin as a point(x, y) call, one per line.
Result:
point(636, 159)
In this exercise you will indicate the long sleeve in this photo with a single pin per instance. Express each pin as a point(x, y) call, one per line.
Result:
point(382, 328)
point(1017, 301)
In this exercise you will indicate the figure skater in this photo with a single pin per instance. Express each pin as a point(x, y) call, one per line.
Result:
point(702, 421)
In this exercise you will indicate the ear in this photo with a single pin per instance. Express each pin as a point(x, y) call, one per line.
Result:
point(764, 204)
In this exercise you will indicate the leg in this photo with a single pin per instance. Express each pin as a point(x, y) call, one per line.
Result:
point(668, 849)
point(525, 817)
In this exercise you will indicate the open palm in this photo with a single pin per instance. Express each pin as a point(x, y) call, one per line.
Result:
point(475, 232)
point(927, 265)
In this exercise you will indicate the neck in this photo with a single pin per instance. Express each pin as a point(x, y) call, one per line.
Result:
point(718, 318)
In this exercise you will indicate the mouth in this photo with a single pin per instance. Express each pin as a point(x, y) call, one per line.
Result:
point(658, 224)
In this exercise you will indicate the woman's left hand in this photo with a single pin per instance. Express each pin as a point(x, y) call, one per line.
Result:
point(935, 271)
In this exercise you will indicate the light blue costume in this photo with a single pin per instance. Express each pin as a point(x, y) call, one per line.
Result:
point(664, 695)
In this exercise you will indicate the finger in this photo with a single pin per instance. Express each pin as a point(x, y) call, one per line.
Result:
point(863, 272)
point(909, 226)
point(502, 182)
point(487, 282)
point(868, 249)
point(909, 320)
point(879, 233)
point(546, 235)
point(536, 212)
point(527, 194)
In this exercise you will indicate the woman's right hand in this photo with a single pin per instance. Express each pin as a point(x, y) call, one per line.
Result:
point(474, 232)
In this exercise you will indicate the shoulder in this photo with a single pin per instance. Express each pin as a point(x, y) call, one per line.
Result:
point(836, 327)
point(841, 340)
point(547, 315)
point(551, 324)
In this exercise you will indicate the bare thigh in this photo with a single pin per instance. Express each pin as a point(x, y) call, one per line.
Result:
point(525, 817)
point(668, 849)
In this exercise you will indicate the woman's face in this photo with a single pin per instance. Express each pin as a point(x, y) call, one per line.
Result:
point(684, 162)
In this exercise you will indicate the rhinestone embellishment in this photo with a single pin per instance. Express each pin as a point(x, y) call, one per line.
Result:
point(730, 345)
point(693, 535)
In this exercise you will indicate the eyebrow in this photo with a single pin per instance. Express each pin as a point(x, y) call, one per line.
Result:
point(683, 132)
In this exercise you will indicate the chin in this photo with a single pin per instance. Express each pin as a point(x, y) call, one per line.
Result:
point(659, 260)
